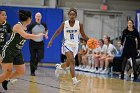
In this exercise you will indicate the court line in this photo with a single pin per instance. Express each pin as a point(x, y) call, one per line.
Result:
point(45, 85)
point(33, 87)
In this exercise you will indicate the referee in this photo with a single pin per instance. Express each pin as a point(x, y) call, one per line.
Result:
point(36, 46)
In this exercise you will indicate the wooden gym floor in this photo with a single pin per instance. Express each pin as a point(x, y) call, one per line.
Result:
point(46, 82)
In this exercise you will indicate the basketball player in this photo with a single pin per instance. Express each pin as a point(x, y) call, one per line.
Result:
point(5, 29)
point(72, 29)
point(11, 52)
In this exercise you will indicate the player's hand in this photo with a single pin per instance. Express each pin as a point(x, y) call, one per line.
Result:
point(46, 36)
point(40, 34)
point(49, 44)
point(139, 50)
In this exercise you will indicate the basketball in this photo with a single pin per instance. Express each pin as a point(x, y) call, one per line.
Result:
point(92, 43)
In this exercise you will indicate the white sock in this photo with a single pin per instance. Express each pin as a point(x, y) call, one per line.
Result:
point(60, 67)
point(74, 79)
point(106, 68)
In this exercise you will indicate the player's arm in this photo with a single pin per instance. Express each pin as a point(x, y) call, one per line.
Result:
point(82, 32)
point(123, 37)
point(56, 33)
point(30, 27)
point(9, 29)
point(46, 30)
point(85, 52)
point(18, 29)
point(138, 39)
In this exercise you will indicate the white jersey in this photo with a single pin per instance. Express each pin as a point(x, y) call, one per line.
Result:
point(71, 34)
point(111, 50)
point(100, 49)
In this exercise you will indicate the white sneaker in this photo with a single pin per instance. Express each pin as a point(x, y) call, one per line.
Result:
point(125, 73)
point(13, 81)
point(132, 75)
point(93, 70)
point(86, 68)
point(119, 75)
point(105, 71)
point(99, 70)
point(76, 67)
point(64, 71)
point(89, 69)
point(57, 71)
point(81, 67)
point(76, 82)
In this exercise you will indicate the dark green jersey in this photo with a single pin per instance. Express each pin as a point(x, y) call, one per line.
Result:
point(4, 30)
point(16, 41)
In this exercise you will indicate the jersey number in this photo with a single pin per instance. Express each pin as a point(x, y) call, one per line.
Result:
point(22, 42)
point(1, 35)
point(71, 36)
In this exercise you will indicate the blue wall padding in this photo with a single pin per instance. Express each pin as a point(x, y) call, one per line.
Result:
point(53, 18)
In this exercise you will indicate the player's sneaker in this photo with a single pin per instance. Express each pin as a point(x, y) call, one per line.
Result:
point(13, 81)
point(105, 71)
point(76, 82)
point(5, 83)
point(57, 71)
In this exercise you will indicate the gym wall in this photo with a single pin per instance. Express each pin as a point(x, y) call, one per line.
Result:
point(53, 18)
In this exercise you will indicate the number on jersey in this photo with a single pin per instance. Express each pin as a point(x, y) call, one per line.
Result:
point(71, 36)
point(1, 35)
point(22, 42)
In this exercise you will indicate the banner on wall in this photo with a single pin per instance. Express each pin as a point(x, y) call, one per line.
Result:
point(138, 21)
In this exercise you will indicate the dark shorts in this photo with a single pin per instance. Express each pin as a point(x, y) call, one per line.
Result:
point(0, 50)
point(12, 56)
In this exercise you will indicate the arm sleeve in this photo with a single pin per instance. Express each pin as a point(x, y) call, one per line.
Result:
point(123, 38)
point(45, 26)
point(30, 27)
point(138, 38)
point(9, 29)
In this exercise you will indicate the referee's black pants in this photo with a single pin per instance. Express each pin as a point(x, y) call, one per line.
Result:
point(36, 54)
